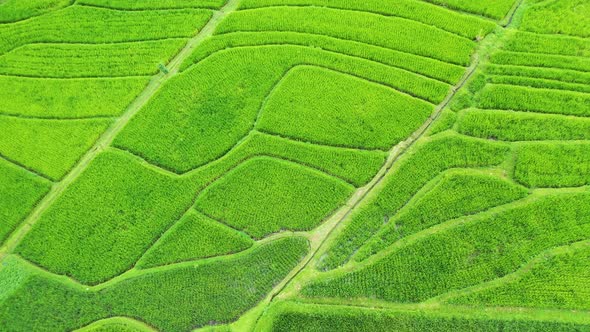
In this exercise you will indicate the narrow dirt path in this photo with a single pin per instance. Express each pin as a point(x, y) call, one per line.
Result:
point(109, 135)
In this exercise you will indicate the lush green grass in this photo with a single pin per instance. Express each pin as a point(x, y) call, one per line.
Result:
point(550, 44)
point(558, 281)
point(541, 60)
point(154, 4)
point(201, 114)
point(464, 25)
point(410, 36)
point(518, 98)
point(570, 76)
point(266, 195)
point(425, 162)
point(458, 193)
point(428, 67)
point(479, 250)
point(496, 9)
point(69, 98)
point(19, 192)
point(567, 17)
point(15, 10)
point(336, 109)
point(83, 60)
point(351, 165)
point(292, 316)
point(170, 299)
point(50, 147)
point(522, 126)
point(538, 83)
point(553, 164)
point(80, 24)
point(106, 219)
point(194, 236)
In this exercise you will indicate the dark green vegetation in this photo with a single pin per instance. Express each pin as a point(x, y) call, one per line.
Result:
point(289, 165)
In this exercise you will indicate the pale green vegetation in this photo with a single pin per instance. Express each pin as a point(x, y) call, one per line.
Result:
point(19, 192)
point(331, 108)
point(201, 114)
point(553, 164)
point(411, 36)
point(266, 195)
point(226, 289)
point(461, 24)
point(86, 60)
point(70, 98)
point(568, 17)
point(457, 193)
point(194, 236)
point(50, 147)
point(16, 10)
point(522, 126)
point(107, 26)
point(120, 208)
point(426, 162)
point(556, 281)
point(479, 249)
point(154, 4)
point(291, 316)
point(496, 9)
point(289, 165)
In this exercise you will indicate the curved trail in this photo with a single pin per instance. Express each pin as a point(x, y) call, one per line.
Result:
point(108, 136)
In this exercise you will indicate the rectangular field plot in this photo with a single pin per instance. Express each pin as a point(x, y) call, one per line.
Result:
point(60, 98)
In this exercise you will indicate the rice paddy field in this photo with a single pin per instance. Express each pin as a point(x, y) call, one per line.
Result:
point(294, 165)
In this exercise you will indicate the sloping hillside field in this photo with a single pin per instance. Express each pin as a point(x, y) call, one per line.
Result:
point(294, 165)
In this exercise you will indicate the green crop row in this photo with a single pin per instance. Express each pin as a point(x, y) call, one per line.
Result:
point(266, 195)
point(292, 316)
point(550, 44)
point(541, 60)
point(19, 192)
point(83, 60)
point(170, 299)
point(16, 10)
point(425, 66)
point(496, 9)
point(425, 162)
point(50, 147)
point(538, 83)
point(518, 98)
point(200, 115)
point(558, 281)
point(458, 193)
point(154, 4)
point(552, 164)
point(570, 76)
point(390, 32)
point(336, 109)
point(484, 248)
point(60, 98)
point(567, 17)
point(194, 236)
point(522, 126)
point(354, 166)
point(461, 24)
point(106, 219)
point(81, 24)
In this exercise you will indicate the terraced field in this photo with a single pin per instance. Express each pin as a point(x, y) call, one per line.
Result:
point(294, 165)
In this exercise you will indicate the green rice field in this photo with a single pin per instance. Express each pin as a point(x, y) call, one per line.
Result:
point(294, 165)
